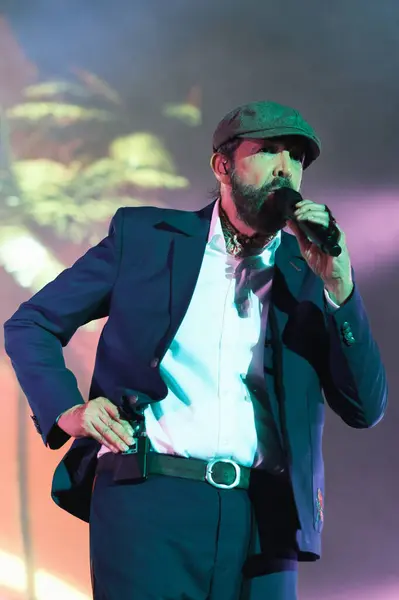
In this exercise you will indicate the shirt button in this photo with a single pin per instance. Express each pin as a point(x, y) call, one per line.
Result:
point(154, 363)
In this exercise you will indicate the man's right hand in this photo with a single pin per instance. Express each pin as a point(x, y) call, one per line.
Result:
point(98, 419)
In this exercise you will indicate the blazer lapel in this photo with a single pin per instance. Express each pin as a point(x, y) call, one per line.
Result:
point(190, 234)
point(189, 231)
point(289, 271)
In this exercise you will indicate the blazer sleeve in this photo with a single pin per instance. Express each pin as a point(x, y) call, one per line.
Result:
point(42, 326)
point(354, 382)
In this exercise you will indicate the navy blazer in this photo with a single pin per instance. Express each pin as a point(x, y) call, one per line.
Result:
point(142, 276)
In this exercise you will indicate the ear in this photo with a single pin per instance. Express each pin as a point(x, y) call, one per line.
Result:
point(220, 166)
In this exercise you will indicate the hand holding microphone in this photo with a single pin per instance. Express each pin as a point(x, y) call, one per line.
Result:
point(314, 220)
point(321, 241)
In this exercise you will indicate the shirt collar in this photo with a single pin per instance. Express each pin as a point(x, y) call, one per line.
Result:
point(215, 230)
point(216, 239)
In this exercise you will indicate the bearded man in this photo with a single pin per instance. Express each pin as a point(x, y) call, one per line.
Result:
point(198, 459)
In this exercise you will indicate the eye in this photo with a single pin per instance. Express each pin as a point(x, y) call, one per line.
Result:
point(298, 154)
point(268, 150)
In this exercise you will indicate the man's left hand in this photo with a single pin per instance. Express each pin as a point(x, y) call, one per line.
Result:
point(335, 271)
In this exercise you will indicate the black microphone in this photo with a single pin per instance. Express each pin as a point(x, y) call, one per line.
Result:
point(325, 238)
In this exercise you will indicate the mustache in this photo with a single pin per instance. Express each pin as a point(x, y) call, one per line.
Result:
point(278, 183)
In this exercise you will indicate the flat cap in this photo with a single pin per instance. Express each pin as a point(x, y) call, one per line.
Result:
point(266, 119)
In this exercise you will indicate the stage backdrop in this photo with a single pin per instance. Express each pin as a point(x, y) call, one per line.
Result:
point(108, 104)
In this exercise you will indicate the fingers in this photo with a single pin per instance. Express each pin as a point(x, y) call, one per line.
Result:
point(308, 203)
point(312, 212)
point(310, 207)
point(315, 213)
point(107, 427)
point(96, 432)
point(110, 412)
point(318, 218)
point(110, 408)
point(112, 434)
point(123, 430)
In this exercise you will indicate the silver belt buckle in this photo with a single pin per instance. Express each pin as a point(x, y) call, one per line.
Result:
point(224, 486)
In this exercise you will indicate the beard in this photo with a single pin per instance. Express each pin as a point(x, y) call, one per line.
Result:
point(256, 207)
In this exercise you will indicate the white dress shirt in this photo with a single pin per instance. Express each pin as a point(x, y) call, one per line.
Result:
point(214, 361)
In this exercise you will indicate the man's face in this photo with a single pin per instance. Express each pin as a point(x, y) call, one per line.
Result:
point(261, 166)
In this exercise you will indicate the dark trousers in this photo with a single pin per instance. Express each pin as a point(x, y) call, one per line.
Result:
point(177, 539)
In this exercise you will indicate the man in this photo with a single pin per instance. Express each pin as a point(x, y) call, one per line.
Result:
point(202, 439)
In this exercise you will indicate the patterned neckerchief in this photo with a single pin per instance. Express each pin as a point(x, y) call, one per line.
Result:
point(238, 244)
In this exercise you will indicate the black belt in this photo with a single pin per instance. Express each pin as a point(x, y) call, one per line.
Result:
point(220, 472)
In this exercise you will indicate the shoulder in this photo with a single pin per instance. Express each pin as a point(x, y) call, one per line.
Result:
point(128, 217)
point(131, 214)
point(148, 216)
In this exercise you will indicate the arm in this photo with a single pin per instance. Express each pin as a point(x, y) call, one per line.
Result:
point(350, 368)
point(354, 379)
point(42, 326)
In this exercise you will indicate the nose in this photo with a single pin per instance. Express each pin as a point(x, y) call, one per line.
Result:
point(282, 167)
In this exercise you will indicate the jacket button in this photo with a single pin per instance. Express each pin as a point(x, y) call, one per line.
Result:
point(154, 363)
point(349, 339)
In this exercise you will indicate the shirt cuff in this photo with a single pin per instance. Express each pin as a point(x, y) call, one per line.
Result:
point(332, 305)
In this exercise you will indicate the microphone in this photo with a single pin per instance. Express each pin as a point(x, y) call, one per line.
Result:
point(325, 238)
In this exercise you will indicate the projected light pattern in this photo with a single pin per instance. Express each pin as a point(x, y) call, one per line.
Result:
point(30, 263)
point(60, 184)
point(47, 586)
point(73, 148)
